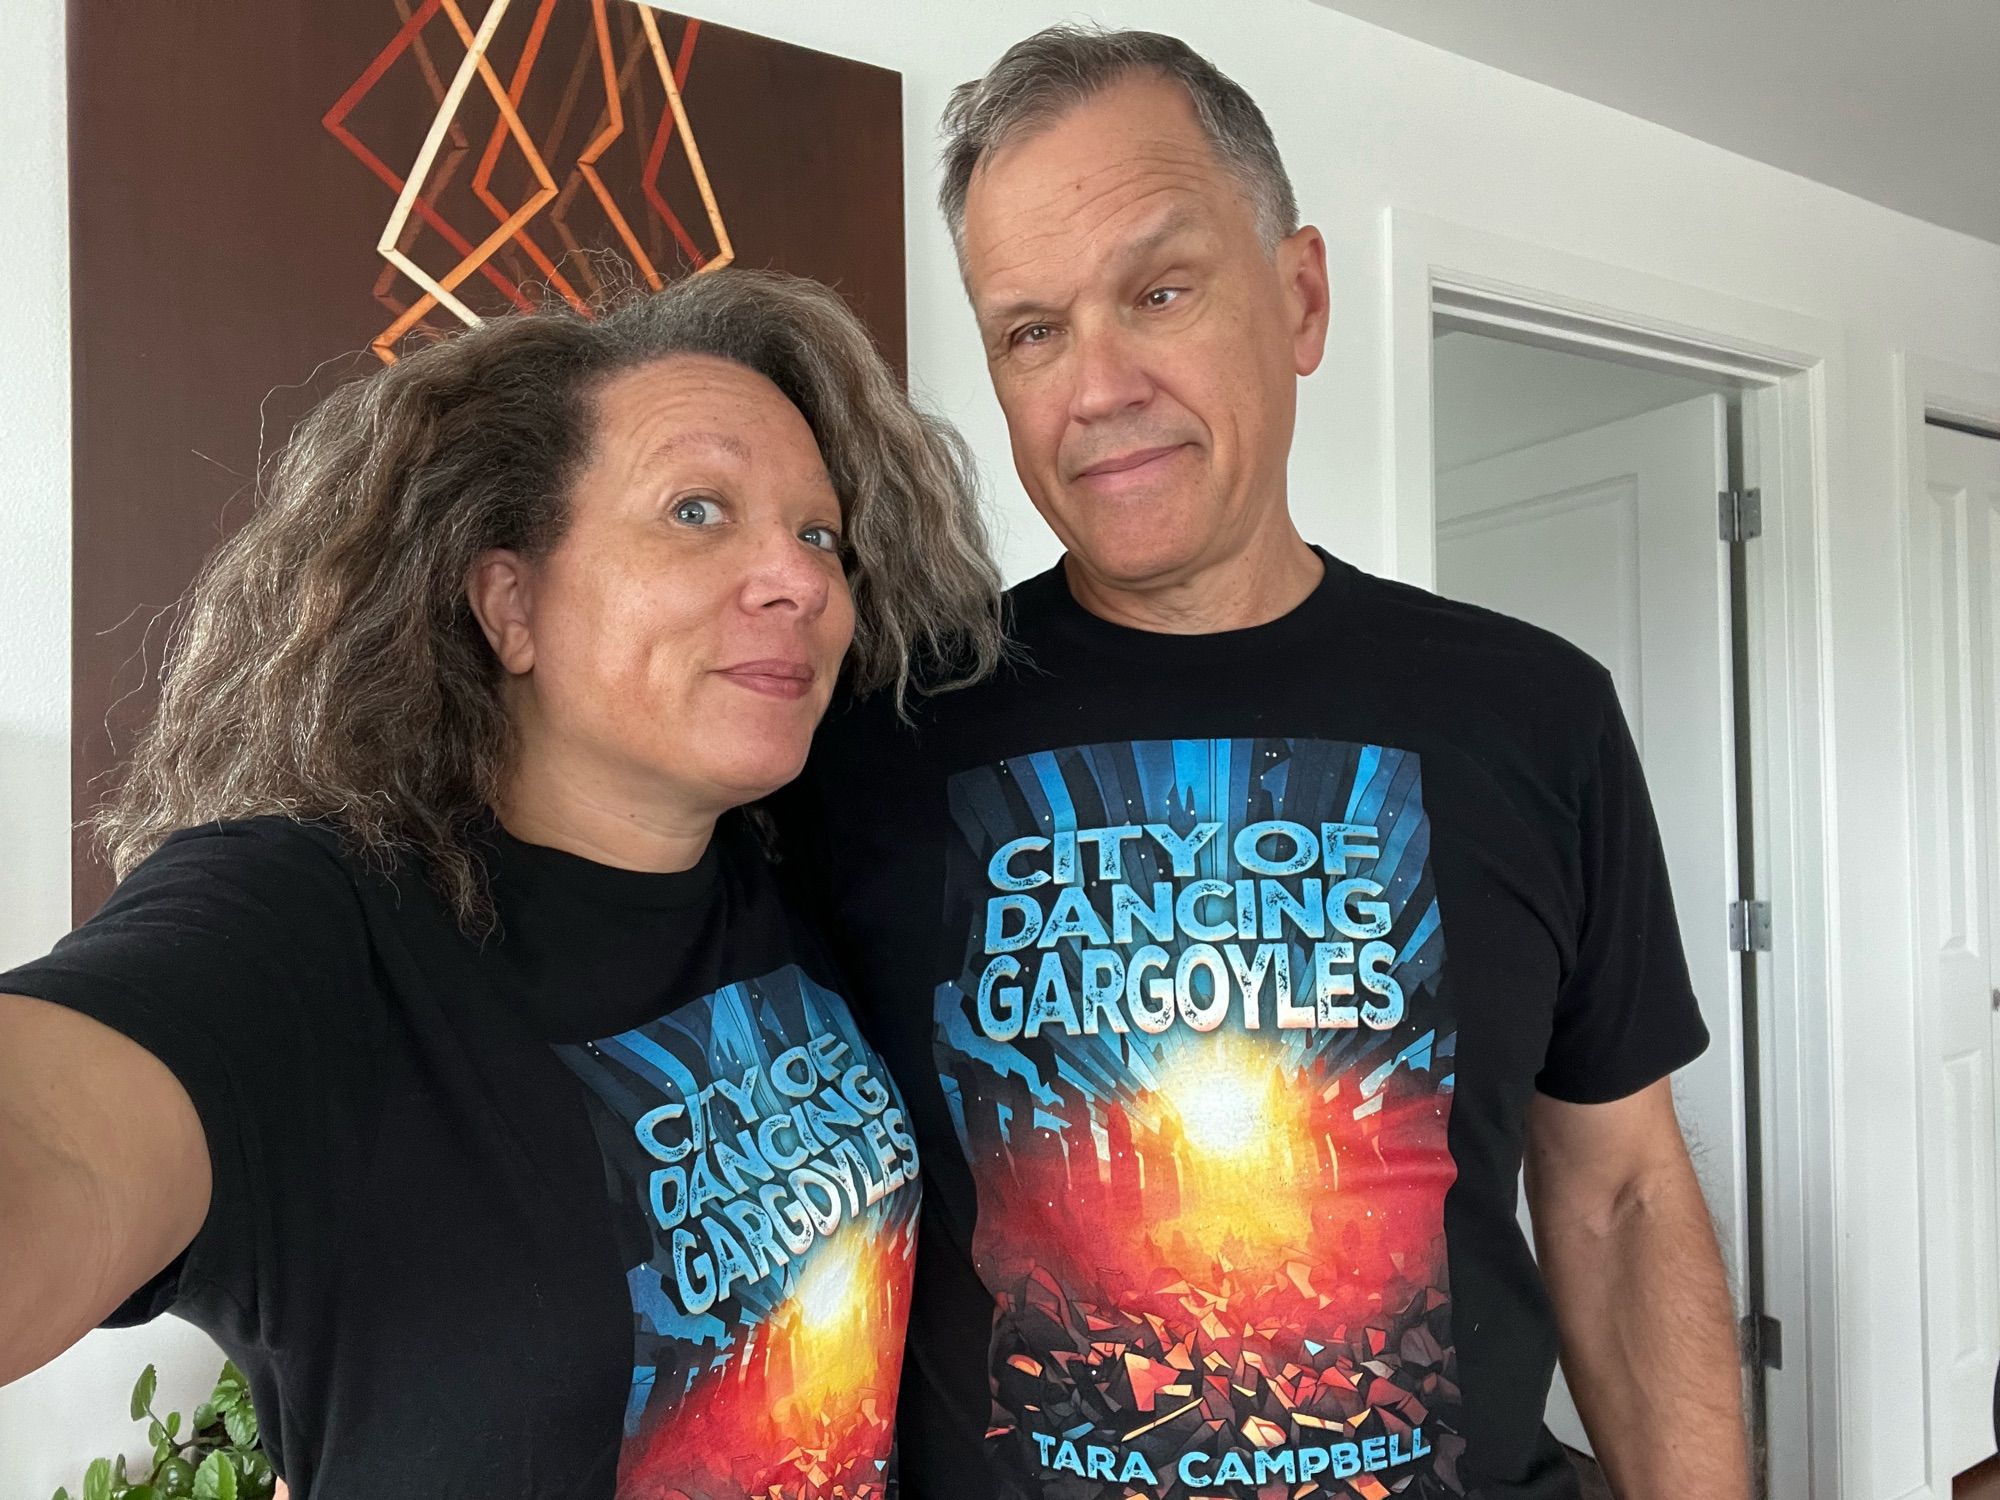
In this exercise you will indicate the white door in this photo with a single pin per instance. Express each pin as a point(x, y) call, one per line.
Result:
point(1609, 538)
point(1955, 584)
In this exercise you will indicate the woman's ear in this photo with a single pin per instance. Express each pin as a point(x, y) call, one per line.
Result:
point(500, 588)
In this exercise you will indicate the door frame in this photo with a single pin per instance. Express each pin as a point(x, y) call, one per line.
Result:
point(1967, 397)
point(1795, 369)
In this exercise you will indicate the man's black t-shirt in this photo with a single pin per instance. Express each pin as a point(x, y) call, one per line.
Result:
point(617, 1202)
point(1219, 971)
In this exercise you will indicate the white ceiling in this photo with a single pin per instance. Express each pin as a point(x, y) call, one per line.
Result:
point(1896, 101)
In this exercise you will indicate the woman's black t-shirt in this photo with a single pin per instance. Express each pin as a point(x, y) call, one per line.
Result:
point(1219, 971)
point(614, 1202)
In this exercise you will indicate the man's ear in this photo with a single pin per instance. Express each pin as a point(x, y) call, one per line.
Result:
point(500, 588)
point(1302, 269)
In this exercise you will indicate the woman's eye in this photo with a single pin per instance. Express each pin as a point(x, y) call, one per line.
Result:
point(697, 510)
point(823, 537)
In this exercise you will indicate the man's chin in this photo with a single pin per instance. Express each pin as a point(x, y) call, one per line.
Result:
point(1136, 564)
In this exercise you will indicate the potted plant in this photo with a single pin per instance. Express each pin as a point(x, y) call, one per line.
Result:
point(213, 1457)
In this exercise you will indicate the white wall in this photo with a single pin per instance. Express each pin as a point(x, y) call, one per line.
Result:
point(75, 1409)
point(1491, 396)
point(1367, 120)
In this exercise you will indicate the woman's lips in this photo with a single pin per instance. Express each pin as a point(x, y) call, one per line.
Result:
point(774, 679)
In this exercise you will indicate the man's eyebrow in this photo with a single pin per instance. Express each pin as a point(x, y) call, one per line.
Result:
point(1175, 224)
point(1172, 227)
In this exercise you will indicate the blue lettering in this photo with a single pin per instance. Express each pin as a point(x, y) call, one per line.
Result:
point(998, 938)
point(999, 873)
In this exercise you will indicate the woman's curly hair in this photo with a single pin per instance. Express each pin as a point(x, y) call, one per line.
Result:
point(328, 665)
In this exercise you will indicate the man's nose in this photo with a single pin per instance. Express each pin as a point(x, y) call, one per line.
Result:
point(1108, 376)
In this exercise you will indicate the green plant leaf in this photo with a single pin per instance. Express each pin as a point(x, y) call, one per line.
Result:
point(226, 1398)
point(173, 1424)
point(142, 1492)
point(231, 1374)
point(156, 1432)
point(215, 1479)
point(97, 1480)
point(241, 1421)
point(142, 1393)
point(162, 1451)
point(60, 1494)
point(118, 1479)
point(204, 1416)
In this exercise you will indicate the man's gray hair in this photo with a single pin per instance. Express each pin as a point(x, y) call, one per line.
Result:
point(1050, 72)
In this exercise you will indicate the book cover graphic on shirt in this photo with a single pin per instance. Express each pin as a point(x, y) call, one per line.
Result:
point(1200, 1060)
point(768, 1181)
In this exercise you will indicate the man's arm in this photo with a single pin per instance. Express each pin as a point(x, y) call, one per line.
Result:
point(1648, 1332)
point(104, 1176)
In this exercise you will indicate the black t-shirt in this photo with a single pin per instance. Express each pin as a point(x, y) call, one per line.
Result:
point(617, 1202)
point(1219, 972)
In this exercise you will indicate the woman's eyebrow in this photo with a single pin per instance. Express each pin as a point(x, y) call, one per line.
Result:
point(715, 442)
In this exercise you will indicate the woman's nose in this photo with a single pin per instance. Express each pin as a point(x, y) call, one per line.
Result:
point(785, 573)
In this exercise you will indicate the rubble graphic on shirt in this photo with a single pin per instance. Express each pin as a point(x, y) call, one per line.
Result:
point(768, 1179)
point(1201, 1065)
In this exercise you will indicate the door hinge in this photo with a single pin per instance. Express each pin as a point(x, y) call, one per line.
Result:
point(1742, 515)
point(1750, 927)
point(1763, 1341)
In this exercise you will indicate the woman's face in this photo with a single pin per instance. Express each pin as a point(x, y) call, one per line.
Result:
point(682, 639)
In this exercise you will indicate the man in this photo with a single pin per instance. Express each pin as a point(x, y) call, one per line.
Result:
point(1236, 944)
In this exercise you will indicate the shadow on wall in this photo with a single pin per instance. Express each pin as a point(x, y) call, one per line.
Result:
point(75, 1408)
point(34, 832)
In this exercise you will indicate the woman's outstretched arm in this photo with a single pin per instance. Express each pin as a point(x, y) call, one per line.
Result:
point(104, 1176)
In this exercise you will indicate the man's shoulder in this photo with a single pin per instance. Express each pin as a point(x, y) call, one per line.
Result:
point(1423, 621)
point(1467, 647)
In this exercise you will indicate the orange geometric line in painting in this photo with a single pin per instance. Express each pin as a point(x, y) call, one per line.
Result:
point(649, 176)
point(482, 178)
point(573, 253)
point(420, 49)
point(587, 162)
point(415, 188)
point(650, 173)
point(385, 281)
point(725, 253)
point(418, 194)
point(558, 211)
point(615, 88)
point(335, 122)
point(440, 180)
point(441, 288)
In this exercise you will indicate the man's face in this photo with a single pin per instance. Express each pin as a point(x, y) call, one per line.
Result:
point(1144, 344)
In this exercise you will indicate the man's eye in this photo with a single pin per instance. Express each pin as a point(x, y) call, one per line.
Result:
point(1034, 333)
point(1162, 296)
point(697, 510)
point(823, 537)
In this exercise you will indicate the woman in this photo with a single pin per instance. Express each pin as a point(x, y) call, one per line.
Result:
point(446, 1051)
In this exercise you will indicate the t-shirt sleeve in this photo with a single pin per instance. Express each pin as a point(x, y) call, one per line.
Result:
point(216, 956)
point(1626, 1015)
